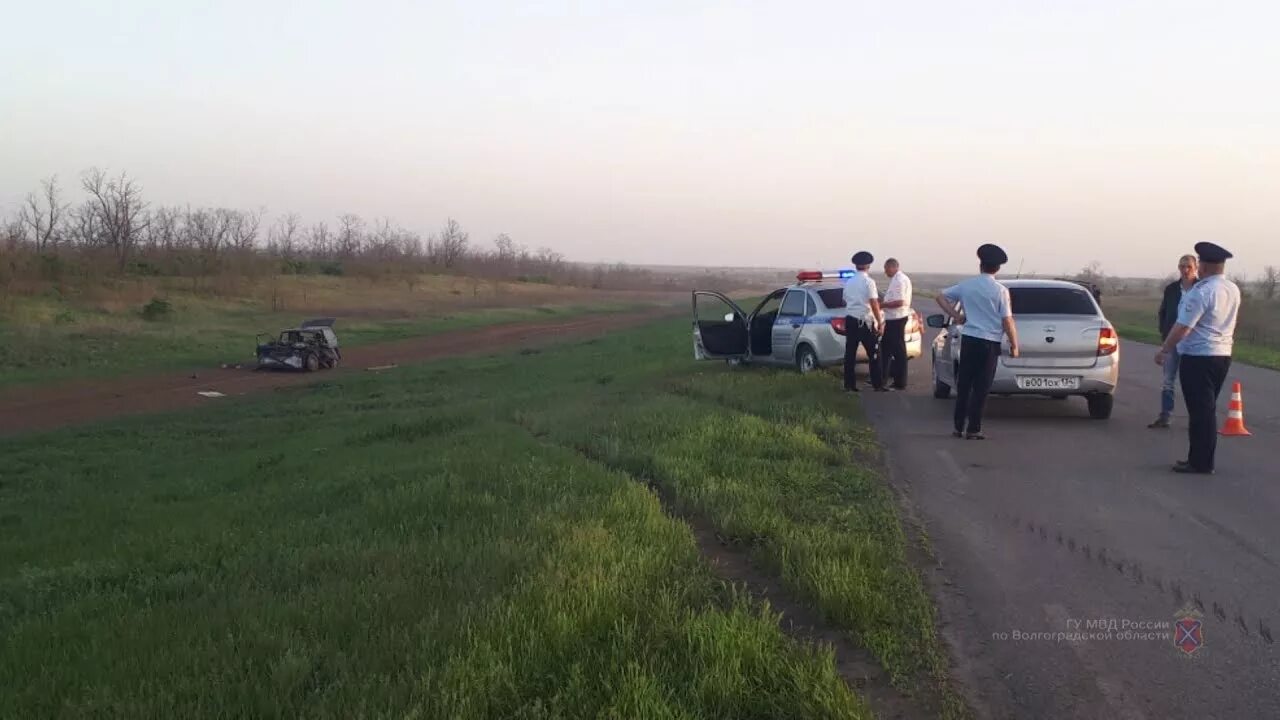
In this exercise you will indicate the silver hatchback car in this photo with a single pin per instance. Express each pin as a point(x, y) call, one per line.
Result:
point(801, 325)
point(1068, 347)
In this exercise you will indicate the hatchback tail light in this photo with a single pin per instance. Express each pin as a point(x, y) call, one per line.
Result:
point(837, 324)
point(1108, 341)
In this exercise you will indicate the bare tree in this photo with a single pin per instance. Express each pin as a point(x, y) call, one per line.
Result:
point(284, 235)
point(44, 214)
point(1269, 281)
point(213, 231)
point(1091, 273)
point(350, 235)
point(548, 258)
point(243, 226)
point(164, 232)
point(384, 242)
point(85, 226)
point(410, 244)
point(320, 240)
point(506, 247)
point(13, 234)
point(120, 209)
point(450, 245)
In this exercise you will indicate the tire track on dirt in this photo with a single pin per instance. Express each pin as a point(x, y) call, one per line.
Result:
point(43, 408)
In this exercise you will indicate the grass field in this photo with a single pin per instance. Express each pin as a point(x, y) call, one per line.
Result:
point(1257, 339)
point(102, 331)
point(470, 539)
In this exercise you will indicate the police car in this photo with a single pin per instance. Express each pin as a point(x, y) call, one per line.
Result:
point(801, 325)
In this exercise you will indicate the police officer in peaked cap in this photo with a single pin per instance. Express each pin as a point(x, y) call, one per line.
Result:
point(981, 305)
point(863, 323)
point(1203, 337)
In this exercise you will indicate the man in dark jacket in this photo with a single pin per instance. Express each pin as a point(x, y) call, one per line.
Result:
point(1167, 315)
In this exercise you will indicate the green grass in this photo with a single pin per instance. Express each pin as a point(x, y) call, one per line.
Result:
point(1133, 326)
point(457, 539)
point(96, 344)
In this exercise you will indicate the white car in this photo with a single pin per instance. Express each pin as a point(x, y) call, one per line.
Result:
point(1067, 347)
point(800, 325)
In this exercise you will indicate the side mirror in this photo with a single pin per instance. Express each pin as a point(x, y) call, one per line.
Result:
point(938, 321)
point(728, 317)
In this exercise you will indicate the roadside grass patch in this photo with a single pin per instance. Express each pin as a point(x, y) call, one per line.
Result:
point(466, 538)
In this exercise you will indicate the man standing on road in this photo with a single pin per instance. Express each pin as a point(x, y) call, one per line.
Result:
point(897, 310)
point(1203, 337)
point(863, 323)
point(1188, 269)
point(986, 313)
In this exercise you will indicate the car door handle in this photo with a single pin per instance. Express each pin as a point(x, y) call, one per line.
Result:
point(795, 325)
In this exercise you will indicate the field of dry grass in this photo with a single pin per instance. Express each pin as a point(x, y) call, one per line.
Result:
point(53, 331)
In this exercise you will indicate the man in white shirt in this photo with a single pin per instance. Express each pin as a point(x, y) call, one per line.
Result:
point(897, 311)
point(982, 306)
point(863, 323)
point(1203, 338)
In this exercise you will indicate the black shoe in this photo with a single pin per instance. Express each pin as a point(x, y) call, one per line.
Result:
point(974, 436)
point(853, 389)
point(957, 434)
point(1181, 463)
point(1188, 470)
point(1160, 422)
point(883, 389)
point(899, 387)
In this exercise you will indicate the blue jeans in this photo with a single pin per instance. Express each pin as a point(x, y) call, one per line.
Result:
point(1171, 363)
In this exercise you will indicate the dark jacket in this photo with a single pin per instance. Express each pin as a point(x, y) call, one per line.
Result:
point(1167, 315)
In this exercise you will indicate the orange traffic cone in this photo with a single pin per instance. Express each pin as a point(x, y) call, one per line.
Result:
point(1235, 415)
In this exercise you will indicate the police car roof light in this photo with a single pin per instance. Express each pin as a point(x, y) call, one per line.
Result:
point(810, 275)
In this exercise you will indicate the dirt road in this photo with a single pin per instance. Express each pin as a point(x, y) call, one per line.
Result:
point(48, 407)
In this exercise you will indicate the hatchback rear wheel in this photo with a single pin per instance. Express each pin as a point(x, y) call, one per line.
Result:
point(1100, 405)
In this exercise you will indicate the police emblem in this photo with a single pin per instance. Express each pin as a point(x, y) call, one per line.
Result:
point(1188, 631)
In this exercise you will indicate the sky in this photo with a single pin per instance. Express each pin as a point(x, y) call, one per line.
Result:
point(781, 134)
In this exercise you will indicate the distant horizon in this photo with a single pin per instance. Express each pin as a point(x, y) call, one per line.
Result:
point(671, 132)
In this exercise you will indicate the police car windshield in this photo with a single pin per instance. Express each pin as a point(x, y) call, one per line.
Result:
point(832, 297)
point(1051, 301)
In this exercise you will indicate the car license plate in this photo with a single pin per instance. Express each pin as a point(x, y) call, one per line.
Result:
point(1048, 382)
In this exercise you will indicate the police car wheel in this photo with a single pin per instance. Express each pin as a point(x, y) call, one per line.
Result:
point(806, 359)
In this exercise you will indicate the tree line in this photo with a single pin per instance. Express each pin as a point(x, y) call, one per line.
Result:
point(111, 227)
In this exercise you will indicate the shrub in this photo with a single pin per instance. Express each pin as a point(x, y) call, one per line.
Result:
point(157, 309)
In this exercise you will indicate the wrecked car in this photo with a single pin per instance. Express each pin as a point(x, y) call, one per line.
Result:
point(309, 347)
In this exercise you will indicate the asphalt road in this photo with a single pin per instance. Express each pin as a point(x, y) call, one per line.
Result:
point(1057, 520)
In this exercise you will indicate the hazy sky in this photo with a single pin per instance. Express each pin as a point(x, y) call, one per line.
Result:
point(654, 131)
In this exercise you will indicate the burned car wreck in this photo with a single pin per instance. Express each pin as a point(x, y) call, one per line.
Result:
point(310, 346)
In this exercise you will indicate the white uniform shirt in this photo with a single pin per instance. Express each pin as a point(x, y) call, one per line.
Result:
point(985, 304)
point(859, 291)
point(899, 289)
point(1209, 309)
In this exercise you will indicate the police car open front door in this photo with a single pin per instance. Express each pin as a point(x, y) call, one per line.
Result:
point(786, 327)
point(719, 328)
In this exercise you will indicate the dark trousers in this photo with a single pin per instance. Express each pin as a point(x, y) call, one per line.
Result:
point(893, 352)
point(978, 360)
point(857, 333)
point(1202, 379)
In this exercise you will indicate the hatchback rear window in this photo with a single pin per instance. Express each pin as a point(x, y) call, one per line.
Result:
point(1051, 301)
point(832, 297)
